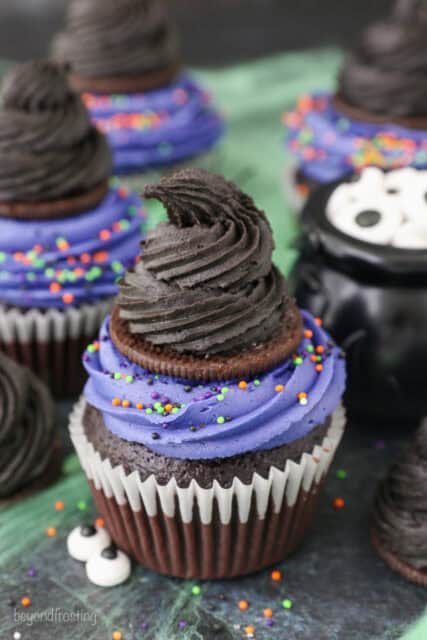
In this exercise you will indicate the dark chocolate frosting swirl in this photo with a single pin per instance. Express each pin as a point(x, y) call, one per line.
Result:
point(108, 38)
point(26, 427)
point(400, 509)
point(205, 283)
point(386, 73)
point(49, 149)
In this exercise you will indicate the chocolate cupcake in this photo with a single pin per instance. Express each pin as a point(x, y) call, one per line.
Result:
point(377, 116)
point(363, 268)
point(399, 516)
point(212, 410)
point(125, 61)
point(30, 451)
point(65, 235)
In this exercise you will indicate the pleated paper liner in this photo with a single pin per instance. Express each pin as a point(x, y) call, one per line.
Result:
point(51, 342)
point(207, 533)
point(411, 574)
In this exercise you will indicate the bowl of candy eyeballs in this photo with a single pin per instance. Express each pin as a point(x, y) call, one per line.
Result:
point(363, 269)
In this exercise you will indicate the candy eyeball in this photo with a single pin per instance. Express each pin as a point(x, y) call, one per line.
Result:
point(86, 540)
point(382, 208)
point(108, 567)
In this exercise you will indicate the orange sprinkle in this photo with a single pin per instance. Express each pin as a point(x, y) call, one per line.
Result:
point(100, 523)
point(37, 248)
point(242, 384)
point(18, 256)
point(25, 601)
point(117, 635)
point(308, 333)
point(268, 613)
point(63, 245)
point(168, 407)
point(302, 394)
point(243, 605)
point(313, 358)
point(85, 257)
point(318, 321)
point(276, 575)
point(319, 368)
point(78, 272)
point(105, 234)
point(71, 260)
point(100, 256)
point(116, 226)
point(339, 503)
point(279, 387)
point(250, 630)
point(125, 404)
point(59, 505)
point(54, 287)
point(68, 298)
point(115, 402)
point(139, 405)
point(51, 532)
point(320, 349)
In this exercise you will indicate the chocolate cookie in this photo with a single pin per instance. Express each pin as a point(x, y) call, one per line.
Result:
point(125, 84)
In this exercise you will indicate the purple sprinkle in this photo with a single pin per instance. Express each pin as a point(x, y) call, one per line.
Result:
point(32, 572)
point(183, 624)
point(155, 395)
point(144, 626)
point(164, 400)
point(207, 395)
point(270, 622)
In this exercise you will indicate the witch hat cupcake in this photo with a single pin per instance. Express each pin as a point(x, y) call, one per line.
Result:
point(378, 114)
point(65, 235)
point(399, 517)
point(124, 60)
point(212, 410)
point(30, 450)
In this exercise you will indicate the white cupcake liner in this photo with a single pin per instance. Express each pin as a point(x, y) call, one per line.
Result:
point(149, 496)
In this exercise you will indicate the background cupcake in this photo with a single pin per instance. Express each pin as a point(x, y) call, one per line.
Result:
point(124, 59)
point(30, 451)
point(377, 115)
point(363, 268)
point(212, 410)
point(65, 236)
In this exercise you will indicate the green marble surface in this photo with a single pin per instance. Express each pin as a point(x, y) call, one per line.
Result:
point(339, 588)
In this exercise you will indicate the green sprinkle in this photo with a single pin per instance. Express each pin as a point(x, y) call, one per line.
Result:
point(2, 256)
point(81, 505)
point(31, 276)
point(148, 411)
point(220, 396)
point(91, 348)
point(124, 224)
point(157, 404)
point(156, 377)
point(175, 410)
point(49, 273)
point(310, 348)
point(117, 376)
point(196, 590)
point(129, 379)
point(160, 409)
point(117, 266)
point(220, 420)
point(341, 474)
point(225, 390)
point(257, 382)
point(287, 604)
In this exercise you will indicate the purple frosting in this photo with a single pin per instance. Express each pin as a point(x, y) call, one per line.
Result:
point(328, 145)
point(183, 419)
point(69, 261)
point(158, 127)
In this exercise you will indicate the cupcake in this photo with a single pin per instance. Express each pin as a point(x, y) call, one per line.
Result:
point(124, 60)
point(65, 236)
point(30, 451)
point(363, 267)
point(213, 406)
point(378, 115)
point(399, 515)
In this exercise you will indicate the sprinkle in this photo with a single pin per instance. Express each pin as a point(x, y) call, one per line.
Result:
point(287, 603)
point(319, 368)
point(104, 234)
point(243, 605)
point(117, 376)
point(257, 382)
point(242, 385)
point(268, 613)
point(298, 360)
point(220, 420)
point(308, 334)
point(249, 630)
point(100, 523)
point(309, 348)
point(59, 505)
point(318, 321)
point(341, 474)
point(117, 635)
point(129, 379)
point(225, 389)
point(220, 397)
point(32, 572)
point(196, 590)
point(25, 601)
point(279, 388)
point(115, 402)
point(2, 256)
point(125, 404)
point(68, 298)
point(183, 624)
point(148, 411)
point(139, 406)
point(276, 575)
point(339, 503)
point(81, 505)
point(51, 532)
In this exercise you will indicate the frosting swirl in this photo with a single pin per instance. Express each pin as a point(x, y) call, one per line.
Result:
point(184, 419)
point(26, 427)
point(385, 73)
point(48, 147)
point(106, 38)
point(204, 283)
point(400, 509)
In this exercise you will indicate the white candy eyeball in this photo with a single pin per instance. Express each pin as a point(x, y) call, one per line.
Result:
point(374, 219)
point(87, 540)
point(411, 236)
point(366, 185)
point(108, 567)
point(413, 196)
